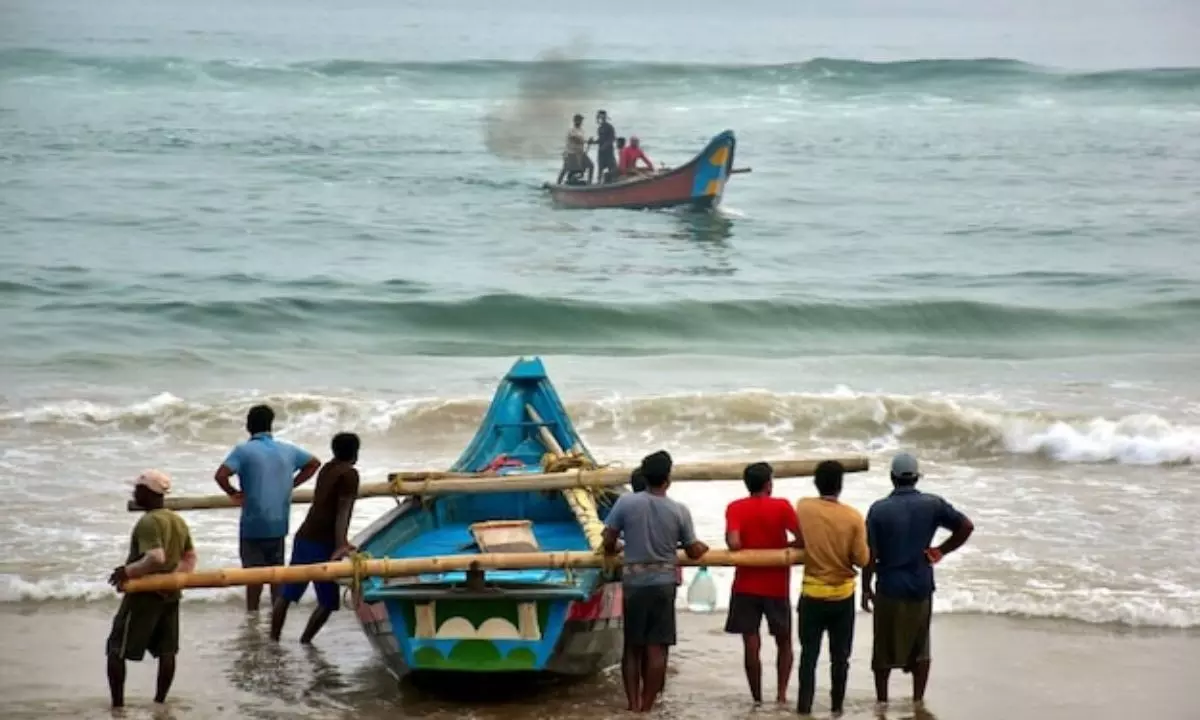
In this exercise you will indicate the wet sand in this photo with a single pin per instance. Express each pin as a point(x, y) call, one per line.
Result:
point(984, 667)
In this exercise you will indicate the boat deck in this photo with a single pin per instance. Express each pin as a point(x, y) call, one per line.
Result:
point(455, 539)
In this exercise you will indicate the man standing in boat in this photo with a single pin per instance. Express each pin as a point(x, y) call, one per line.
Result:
point(575, 157)
point(149, 621)
point(606, 156)
point(653, 526)
point(323, 537)
point(762, 522)
point(267, 471)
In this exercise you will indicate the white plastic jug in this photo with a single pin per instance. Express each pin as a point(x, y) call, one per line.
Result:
point(702, 593)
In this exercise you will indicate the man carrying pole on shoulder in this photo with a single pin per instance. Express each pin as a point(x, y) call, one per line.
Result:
point(161, 543)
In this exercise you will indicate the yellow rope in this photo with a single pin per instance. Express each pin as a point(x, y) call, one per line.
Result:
point(358, 563)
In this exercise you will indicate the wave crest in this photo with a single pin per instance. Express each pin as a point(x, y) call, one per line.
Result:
point(817, 71)
point(947, 427)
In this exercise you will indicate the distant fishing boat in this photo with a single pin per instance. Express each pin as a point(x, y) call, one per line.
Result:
point(698, 184)
point(553, 621)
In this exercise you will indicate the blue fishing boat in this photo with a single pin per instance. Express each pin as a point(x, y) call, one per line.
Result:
point(566, 622)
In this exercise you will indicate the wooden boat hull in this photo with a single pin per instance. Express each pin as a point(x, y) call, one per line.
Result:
point(698, 184)
point(550, 621)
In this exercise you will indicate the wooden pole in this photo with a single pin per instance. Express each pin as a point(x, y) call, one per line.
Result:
point(581, 502)
point(407, 567)
point(434, 483)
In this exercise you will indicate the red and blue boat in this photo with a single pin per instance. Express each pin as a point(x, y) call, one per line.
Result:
point(699, 184)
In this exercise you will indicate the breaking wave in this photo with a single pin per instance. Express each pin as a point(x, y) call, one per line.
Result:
point(950, 427)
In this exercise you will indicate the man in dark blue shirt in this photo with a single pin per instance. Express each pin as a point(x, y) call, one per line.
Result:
point(606, 156)
point(900, 528)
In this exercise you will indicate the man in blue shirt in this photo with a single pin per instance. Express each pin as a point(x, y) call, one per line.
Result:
point(267, 471)
point(900, 528)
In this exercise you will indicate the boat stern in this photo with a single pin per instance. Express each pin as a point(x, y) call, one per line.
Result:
point(563, 630)
point(712, 170)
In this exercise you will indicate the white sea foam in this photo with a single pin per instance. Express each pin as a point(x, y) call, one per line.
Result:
point(966, 426)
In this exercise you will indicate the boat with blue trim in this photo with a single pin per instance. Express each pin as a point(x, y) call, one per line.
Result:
point(554, 621)
point(698, 184)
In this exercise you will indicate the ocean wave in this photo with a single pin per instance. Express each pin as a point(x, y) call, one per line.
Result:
point(500, 321)
point(952, 428)
point(817, 71)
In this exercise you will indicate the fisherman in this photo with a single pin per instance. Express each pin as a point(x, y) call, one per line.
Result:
point(653, 526)
point(323, 536)
point(900, 528)
point(629, 159)
point(606, 157)
point(762, 522)
point(267, 471)
point(638, 482)
point(835, 541)
point(149, 621)
point(575, 157)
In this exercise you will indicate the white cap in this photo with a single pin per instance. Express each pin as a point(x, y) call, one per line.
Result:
point(156, 481)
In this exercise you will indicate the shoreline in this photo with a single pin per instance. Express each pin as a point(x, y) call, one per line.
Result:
point(984, 666)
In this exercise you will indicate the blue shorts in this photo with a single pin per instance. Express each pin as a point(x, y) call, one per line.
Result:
point(307, 552)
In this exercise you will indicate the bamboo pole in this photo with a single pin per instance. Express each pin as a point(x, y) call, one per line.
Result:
point(580, 501)
point(407, 567)
point(427, 483)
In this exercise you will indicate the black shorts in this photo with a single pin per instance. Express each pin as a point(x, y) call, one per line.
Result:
point(649, 615)
point(261, 552)
point(146, 621)
point(747, 611)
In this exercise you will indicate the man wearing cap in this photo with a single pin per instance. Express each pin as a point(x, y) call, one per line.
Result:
point(267, 471)
point(654, 526)
point(149, 621)
point(900, 528)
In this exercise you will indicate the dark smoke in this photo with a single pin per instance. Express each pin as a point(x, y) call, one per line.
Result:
point(533, 124)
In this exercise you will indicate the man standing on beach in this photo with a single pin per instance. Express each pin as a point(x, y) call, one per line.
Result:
point(267, 471)
point(835, 543)
point(323, 536)
point(761, 522)
point(149, 621)
point(653, 526)
point(900, 528)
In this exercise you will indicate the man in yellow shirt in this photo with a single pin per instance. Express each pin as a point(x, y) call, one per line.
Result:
point(835, 542)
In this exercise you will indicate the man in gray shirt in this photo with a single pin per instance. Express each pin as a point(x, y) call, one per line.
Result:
point(654, 526)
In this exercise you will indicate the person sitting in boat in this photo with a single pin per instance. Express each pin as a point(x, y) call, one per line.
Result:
point(575, 157)
point(629, 159)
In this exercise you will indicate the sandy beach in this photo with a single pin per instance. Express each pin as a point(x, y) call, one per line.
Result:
point(966, 236)
point(984, 667)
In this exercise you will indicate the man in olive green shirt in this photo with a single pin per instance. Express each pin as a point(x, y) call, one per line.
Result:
point(160, 543)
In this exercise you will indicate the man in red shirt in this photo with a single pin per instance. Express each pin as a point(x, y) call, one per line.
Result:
point(761, 522)
point(630, 156)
